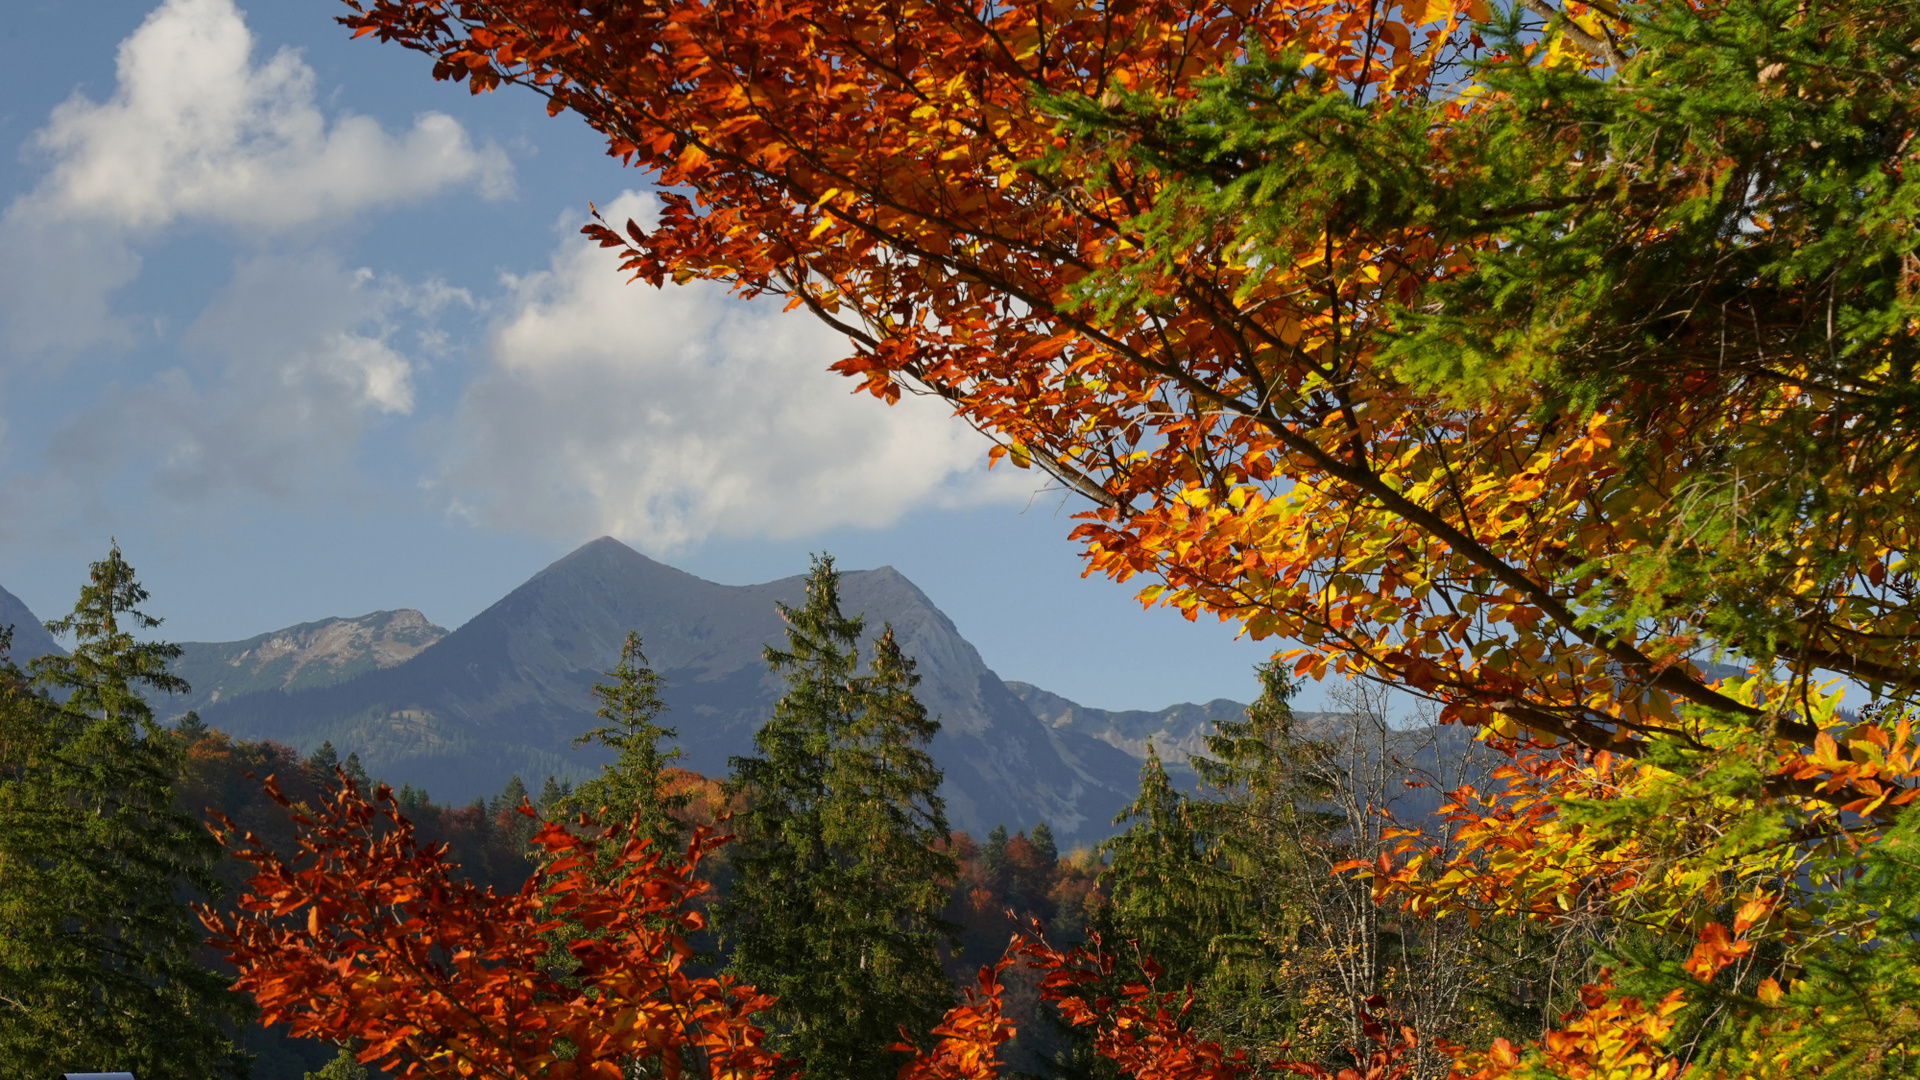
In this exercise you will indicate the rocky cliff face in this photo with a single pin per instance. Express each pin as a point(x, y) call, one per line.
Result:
point(508, 692)
point(300, 657)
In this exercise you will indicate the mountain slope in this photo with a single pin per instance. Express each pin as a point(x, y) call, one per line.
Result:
point(507, 692)
point(300, 657)
point(1177, 731)
point(30, 638)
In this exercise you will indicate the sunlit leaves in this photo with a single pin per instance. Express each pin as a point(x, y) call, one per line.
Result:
point(1530, 359)
point(365, 936)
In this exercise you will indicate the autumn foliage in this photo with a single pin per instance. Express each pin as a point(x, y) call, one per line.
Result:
point(367, 938)
point(1173, 252)
point(1527, 358)
point(1141, 1031)
point(364, 935)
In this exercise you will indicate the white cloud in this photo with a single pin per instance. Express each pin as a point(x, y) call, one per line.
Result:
point(197, 133)
point(55, 278)
point(665, 416)
point(295, 361)
point(315, 330)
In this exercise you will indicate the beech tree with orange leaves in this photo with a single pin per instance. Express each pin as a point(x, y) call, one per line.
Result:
point(366, 936)
point(1526, 357)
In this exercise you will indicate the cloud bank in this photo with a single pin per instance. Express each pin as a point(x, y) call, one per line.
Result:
point(196, 133)
point(287, 371)
point(664, 416)
point(586, 405)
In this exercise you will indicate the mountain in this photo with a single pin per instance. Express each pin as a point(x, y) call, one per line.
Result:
point(1404, 769)
point(30, 638)
point(299, 658)
point(1177, 731)
point(507, 692)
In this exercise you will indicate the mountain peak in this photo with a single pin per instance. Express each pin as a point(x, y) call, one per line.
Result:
point(603, 547)
point(606, 555)
point(30, 638)
point(509, 691)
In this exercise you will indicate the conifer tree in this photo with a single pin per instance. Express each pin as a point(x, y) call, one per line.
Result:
point(553, 792)
point(320, 765)
point(993, 860)
point(840, 857)
point(1044, 844)
point(1268, 792)
point(1166, 890)
point(514, 829)
point(632, 786)
point(357, 773)
point(96, 865)
point(411, 799)
point(511, 796)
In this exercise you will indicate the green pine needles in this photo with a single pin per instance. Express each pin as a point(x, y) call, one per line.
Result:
point(632, 787)
point(96, 864)
point(1217, 889)
point(841, 856)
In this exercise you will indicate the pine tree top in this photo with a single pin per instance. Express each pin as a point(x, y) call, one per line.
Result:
point(107, 665)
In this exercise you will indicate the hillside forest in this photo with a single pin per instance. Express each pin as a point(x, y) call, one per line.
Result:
point(121, 975)
point(1548, 365)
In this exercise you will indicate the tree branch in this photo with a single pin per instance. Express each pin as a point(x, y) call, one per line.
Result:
point(1599, 47)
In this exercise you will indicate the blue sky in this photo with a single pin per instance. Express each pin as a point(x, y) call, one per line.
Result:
point(313, 335)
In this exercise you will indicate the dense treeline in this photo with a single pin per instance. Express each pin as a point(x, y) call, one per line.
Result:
point(840, 862)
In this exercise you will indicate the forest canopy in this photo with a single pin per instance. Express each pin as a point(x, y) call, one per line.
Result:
point(1532, 359)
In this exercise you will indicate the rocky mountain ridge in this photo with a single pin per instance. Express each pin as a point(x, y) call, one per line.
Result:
point(506, 693)
point(459, 712)
point(301, 657)
point(30, 638)
point(1177, 732)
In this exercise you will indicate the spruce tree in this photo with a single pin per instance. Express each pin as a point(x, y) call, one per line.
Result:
point(411, 799)
point(1166, 891)
point(509, 798)
point(357, 773)
point(632, 786)
point(994, 862)
point(1268, 796)
point(840, 857)
point(1269, 790)
point(320, 765)
point(514, 829)
point(1044, 844)
point(97, 866)
point(552, 792)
